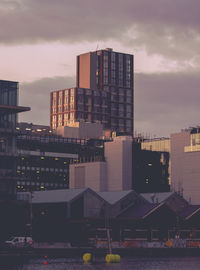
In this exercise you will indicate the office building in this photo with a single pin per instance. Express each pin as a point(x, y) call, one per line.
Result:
point(104, 93)
point(185, 160)
point(158, 145)
point(43, 158)
point(150, 169)
point(8, 118)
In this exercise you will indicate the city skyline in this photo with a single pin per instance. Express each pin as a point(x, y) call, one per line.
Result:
point(40, 40)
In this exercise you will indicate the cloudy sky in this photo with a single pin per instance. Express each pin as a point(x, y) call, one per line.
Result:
point(39, 41)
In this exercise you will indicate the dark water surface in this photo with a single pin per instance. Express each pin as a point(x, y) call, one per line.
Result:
point(126, 263)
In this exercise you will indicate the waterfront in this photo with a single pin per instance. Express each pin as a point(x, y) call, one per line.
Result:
point(126, 263)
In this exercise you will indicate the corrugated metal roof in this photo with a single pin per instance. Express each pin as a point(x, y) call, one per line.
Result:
point(189, 211)
point(113, 196)
point(56, 196)
point(139, 211)
point(156, 197)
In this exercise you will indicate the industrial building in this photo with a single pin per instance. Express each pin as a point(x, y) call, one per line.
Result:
point(103, 93)
point(82, 216)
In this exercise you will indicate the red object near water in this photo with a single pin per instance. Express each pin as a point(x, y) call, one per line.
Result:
point(45, 262)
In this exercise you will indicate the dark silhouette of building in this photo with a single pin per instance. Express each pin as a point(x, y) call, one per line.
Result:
point(8, 118)
point(150, 170)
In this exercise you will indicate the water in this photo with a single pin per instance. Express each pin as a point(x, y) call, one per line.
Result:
point(126, 264)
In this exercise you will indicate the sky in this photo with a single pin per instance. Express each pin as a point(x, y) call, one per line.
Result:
point(39, 41)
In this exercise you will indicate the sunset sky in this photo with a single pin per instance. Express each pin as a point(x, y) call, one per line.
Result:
point(39, 41)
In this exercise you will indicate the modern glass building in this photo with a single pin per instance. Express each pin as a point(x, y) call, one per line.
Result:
point(8, 118)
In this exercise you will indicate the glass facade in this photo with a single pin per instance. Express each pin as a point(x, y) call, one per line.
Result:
point(159, 145)
point(8, 97)
point(8, 119)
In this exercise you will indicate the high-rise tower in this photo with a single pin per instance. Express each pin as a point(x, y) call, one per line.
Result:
point(104, 93)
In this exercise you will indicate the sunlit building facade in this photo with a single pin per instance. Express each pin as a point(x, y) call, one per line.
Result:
point(104, 93)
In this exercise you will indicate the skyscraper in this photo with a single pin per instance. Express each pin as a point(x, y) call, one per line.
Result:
point(104, 93)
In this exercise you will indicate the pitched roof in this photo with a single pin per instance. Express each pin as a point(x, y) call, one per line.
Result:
point(189, 211)
point(113, 196)
point(139, 212)
point(156, 197)
point(56, 196)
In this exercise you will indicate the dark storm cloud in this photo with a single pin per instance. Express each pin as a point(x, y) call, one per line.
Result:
point(164, 103)
point(167, 27)
point(36, 94)
point(167, 102)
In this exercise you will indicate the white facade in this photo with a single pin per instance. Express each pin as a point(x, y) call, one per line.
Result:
point(185, 165)
point(113, 174)
point(90, 174)
point(118, 155)
point(81, 130)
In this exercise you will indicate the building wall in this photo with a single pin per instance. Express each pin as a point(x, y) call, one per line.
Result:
point(150, 170)
point(81, 130)
point(8, 120)
point(131, 199)
point(104, 93)
point(94, 206)
point(159, 145)
point(118, 155)
point(185, 169)
point(84, 70)
point(91, 174)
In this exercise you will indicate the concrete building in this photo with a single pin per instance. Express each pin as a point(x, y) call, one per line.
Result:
point(185, 160)
point(118, 156)
point(81, 130)
point(43, 158)
point(104, 93)
point(115, 173)
point(90, 174)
